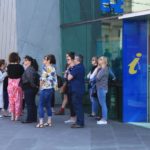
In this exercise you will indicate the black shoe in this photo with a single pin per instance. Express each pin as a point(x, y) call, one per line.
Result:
point(97, 118)
point(77, 126)
point(26, 121)
point(92, 115)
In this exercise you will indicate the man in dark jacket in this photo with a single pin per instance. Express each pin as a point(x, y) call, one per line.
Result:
point(77, 89)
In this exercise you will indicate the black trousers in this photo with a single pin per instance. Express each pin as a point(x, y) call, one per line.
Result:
point(6, 102)
point(72, 111)
point(29, 96)
point(78, 107)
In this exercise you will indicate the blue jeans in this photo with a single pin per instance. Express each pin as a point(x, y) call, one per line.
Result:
point(45, 101)
point(94, 103)
point(78, 107)
point(102, 100)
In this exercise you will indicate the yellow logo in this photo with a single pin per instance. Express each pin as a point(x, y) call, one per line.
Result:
point(133, 64)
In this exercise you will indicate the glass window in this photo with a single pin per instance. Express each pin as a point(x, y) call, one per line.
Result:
point(83, 10)
point(97, 39)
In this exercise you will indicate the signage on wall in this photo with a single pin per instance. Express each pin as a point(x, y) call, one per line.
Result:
point(133, 65)
point(108, 6)
point(135, 77)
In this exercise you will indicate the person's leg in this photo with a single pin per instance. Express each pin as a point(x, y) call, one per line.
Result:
point(94, 104)
point(53, 101)
point(6, 100)
point(65, 101)
point(34, 108)
point(11, 99)
point(48, 98)
point(78, 107)
point(30, 103)
point(63, 106)
point(72, 112)
point(41, 107)
point(18, 102)
point(102, 100)
point(6, 103)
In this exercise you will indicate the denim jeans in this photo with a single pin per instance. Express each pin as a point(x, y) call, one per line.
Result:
point(94, 103)
point(45, 101)
point(102, 100)
point(78, 107)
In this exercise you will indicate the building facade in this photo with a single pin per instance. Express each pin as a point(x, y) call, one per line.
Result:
point(120, 30)
point(30, 27)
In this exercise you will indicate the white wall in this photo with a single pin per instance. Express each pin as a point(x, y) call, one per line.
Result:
point(8, 37)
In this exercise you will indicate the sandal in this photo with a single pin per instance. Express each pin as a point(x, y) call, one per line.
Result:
point(47, 124)
point(40, 125)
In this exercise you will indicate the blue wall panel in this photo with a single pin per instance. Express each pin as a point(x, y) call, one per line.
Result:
point(134, 70)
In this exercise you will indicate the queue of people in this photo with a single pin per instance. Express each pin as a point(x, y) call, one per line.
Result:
point(19, 85)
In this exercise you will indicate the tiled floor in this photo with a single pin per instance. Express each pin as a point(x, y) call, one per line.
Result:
point(114, 136)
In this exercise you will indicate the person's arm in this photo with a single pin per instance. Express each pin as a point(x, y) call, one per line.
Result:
point(101, 73)
point(88, 75)
point(72, 74)
point(70, 77)
point(55, 82)
point(93, 75)
point(111, 73)
point(2, 76)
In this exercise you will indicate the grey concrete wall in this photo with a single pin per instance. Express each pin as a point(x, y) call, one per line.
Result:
point(38, 28)
point(30, 27)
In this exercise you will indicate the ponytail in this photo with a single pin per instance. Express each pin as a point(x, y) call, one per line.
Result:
point(34, 64)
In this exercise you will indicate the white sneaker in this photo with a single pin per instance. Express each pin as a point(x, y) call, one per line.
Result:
point(69, 121)
point(1, 116)
point(102, 122)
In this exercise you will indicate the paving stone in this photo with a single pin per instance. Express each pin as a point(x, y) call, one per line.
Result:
point(114, 136)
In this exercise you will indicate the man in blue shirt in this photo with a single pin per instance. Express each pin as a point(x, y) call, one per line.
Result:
point(77, 89)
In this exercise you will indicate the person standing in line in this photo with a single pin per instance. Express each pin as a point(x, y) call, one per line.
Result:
point(3, 74)
point(70, 62)
point(102, 74)
point(5, 96)
point(63, 89)
point(15, 94)
point(94, 103)
point(77, 89)
point(48, 83)
point(30, 89)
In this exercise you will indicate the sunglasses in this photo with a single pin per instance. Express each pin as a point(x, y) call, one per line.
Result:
point(68, 59)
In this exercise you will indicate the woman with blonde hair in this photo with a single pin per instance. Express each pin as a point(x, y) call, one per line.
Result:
point(101, 74)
